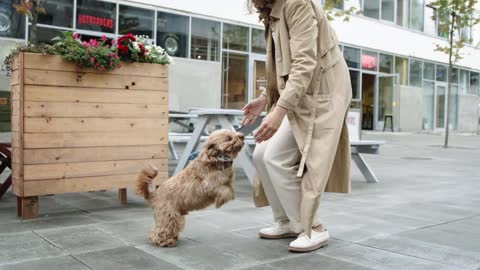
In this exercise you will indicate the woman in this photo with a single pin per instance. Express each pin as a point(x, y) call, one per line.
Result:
point(302, 144)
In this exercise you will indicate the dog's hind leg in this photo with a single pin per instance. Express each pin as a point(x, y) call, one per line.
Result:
point(167, 228)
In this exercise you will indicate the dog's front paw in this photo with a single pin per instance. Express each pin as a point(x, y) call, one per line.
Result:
point(223, 196)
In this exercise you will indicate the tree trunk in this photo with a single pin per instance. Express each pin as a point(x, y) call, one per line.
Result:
point(32, 33)
point(449, 77)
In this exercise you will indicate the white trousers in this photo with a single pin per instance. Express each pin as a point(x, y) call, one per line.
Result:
point(276, 162)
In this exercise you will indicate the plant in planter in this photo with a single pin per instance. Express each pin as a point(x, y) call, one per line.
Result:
point(32, 9)
point(86, 116)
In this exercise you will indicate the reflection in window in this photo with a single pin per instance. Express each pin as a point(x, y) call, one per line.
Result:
point(401, 67)
point(355, 80)
point(416, 14)
point(463, 82)
point(137, 21)
point(12, 24)
point(454, 75)
point(386, 63)
point(428, 71)
point(235, 37)
point(428, 104)
point(96, 15)
point(402, 12)
point(352, 56)
point(474, 83)
point(205, 40)
point(441, 73)
point(234, 86)
point(388, 8)
point(172, 33)
point(45, 35)
point(258, 41)
point(369, 60)
point(58, 13)
point(416, 73)
point(371, 8)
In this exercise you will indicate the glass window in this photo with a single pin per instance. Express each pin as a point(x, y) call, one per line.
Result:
point(442, 24)
point(454, 75)
point(430, 22)
point(464, 82)
point(205, 40)
point(58, 13)
point(401, 67)
point(234, 86)
point(12, 24)
point(415, 73)
point(388, 10)
point(474, 83)
point(441, 73)
point(235, 37)
point(371, 8)
point(402, 12)
point(172, 33)
point(96, 15)
point(258, 41)
point(416, 14)
point(386, 63)
point(428, 104)
point(429, 71)
point(369, 60)
point(352, 56)
point(355, 80)
point(137, 21)
point(453, 112)
point(45, 35)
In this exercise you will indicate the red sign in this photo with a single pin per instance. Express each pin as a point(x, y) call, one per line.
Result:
point(93, 20)
point(369, 62)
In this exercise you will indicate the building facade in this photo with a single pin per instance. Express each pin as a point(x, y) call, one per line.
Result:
point(219, 53)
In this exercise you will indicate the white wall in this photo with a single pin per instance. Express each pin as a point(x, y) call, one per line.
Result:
point(194, 83)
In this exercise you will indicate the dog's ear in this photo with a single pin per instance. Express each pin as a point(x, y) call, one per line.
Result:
point(212, 150)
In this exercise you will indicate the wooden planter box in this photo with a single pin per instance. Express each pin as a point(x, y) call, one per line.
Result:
point(76, 131)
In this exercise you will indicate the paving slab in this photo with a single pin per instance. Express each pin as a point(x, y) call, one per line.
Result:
point(55, 263)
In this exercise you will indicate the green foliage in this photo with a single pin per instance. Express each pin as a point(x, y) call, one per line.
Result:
point(334, 8)
point(31, 48)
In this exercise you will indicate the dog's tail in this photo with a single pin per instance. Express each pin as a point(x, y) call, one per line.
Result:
point(144, 180)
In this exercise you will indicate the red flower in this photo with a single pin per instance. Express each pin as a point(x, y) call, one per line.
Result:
point(92, 59)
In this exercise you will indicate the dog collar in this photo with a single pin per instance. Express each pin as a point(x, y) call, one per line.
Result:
point(224, 159)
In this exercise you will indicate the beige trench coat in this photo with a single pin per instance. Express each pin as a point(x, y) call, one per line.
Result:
point(307, 75)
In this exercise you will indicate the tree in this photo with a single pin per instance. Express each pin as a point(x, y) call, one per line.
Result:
point(335, 8)
point(453, 17)
point(32, 9)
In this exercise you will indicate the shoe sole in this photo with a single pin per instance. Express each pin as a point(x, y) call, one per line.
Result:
point(309, 249)
point(281, 236)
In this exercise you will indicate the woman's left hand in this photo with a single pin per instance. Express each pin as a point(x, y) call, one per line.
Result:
point(270, 124)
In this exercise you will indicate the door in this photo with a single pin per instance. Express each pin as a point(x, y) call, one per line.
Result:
point(440, 105)
point(257, 76)
point(384, 100)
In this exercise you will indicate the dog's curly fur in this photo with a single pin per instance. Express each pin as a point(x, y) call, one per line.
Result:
point(206, 180)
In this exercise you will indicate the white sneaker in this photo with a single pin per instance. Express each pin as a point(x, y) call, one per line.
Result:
point(280, 230)
point(307, 244)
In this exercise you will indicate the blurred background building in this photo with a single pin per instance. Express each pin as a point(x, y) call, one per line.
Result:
point(219, 54)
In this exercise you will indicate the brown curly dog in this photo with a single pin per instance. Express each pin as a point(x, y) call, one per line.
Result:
point(206, 180)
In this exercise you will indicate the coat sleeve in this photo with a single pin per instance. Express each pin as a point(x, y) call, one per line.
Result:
point(303, 31)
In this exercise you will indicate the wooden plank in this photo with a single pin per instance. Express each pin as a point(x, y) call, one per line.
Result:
point(52, 62)
point(69, 109)
point(60, 140)
point(17, 133)
point(16, 63)
point(93, 80)
point(122, 196)
point(15, 92)
point(84, 154)
point(76, 94)
point(16, 154)
point(47, 124)
point(15, 78)
point(29, 207)
point(88, 169)
point(16, 139)
point(15, 110)
point(58, 186)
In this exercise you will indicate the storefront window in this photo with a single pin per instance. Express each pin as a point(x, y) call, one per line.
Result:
point(355, 80)
point(96, 15)
point(45, 35)
point(453, 112)
point(401, 68)
point(234, 86)
point(429, 71)
point(388, 10)
point(415, 73)
point(369, 60)
point(474, 83)
point(386, 63)
point(352, 56)
point(416, 15)
point(428, 104)
point(371, 8)
point(205, 40)
point(464, 82)
point(58, 13)
point(258, 41)
point(235, 37)
point(441, 73)
point(454, 75)
point(172, 33)
point(137, 21)
point(12, 25)
point(402, 12)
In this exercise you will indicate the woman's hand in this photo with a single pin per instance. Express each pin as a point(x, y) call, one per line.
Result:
point(253, 109)
point(270, 124)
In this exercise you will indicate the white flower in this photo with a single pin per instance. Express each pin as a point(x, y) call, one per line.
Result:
point(135, 45)
point(170, 59)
